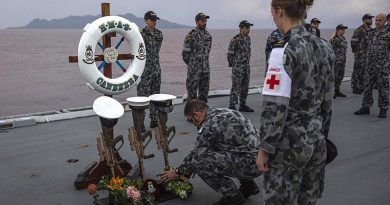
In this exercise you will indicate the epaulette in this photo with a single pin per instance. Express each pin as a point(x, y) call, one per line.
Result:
point(279, 44)
point(360, 28)
point(188, 36)
point(233, 41)
point(141, 30)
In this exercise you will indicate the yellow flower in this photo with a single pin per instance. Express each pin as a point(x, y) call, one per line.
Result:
point(115, 184)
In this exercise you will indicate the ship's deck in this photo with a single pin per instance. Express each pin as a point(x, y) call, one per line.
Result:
point(34, 167)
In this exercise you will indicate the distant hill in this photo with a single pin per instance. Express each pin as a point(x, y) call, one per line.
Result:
point(79, 22)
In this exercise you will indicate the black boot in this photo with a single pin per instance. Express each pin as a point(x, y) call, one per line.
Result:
point(248, 188)
point(245, 108)
point(382, 113)
point(363, 111)
point(239, 199)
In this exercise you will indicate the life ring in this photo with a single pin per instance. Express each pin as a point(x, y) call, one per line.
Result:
point(93, 32)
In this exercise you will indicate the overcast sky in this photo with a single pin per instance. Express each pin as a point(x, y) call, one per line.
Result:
point(223, 13)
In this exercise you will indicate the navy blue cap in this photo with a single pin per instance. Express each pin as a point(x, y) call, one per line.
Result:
point(201, 16)
point(367, 16)
point(315, 20)
point(341, 26)
point(151, 15)
point(244, 23)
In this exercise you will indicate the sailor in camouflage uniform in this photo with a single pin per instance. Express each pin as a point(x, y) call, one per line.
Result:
point(296, 111)
point(339, 45)
point(360, 54)
point(225, 148)
point(151, 77)
point(315, 27)
point(196, 49)
point(238, 56)
point(274, 38)
point(377, 68)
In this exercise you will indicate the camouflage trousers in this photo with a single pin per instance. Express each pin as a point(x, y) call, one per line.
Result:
point(197, 84)
point(150, 84)
point(357, 81)
point(295, 176)
point(240, 85)
point(339, 70)
point(377, 72)
point(216, 168)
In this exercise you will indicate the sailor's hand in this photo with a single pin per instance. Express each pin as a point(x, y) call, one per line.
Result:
point(169, 175)
point(262, 161)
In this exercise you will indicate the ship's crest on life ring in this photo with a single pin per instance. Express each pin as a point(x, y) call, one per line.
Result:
point(93, 32)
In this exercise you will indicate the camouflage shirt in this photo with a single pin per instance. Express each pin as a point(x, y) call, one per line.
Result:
point(304, 117)
point(239, 51)
point(378, 44)
point(153, 41)
point(339, 45)
point(223, 130)
point(312, 30)
point(273, 38)
point(196, 49)
point(357, 38)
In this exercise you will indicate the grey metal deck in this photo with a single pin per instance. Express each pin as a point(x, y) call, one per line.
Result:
point(34, 167)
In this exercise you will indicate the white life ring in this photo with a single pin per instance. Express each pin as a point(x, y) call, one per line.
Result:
point(93, 32)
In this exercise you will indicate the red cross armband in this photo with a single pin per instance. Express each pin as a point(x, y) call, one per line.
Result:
point(277, 81)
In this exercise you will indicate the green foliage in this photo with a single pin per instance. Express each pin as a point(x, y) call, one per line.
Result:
point(180, 186)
